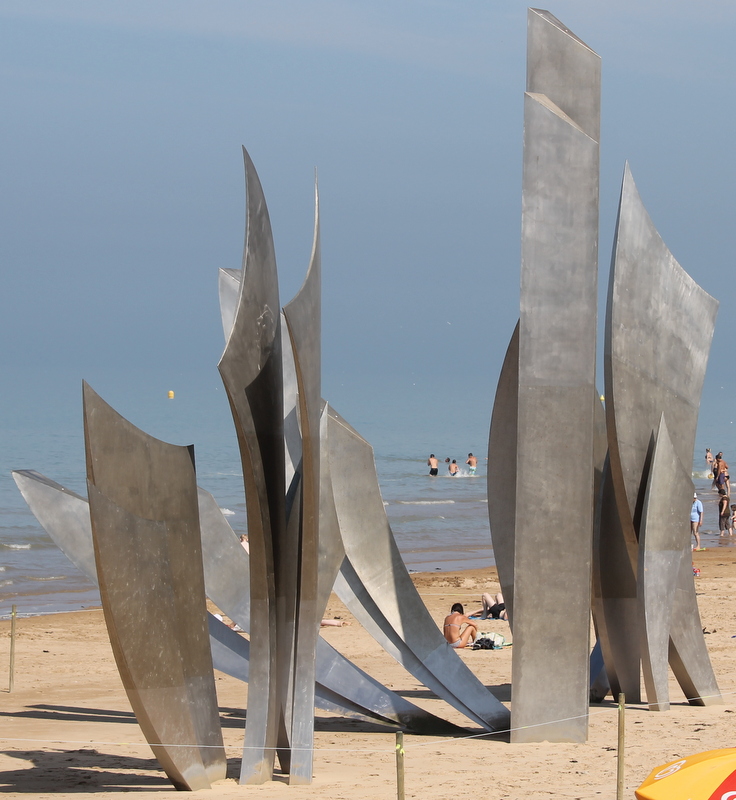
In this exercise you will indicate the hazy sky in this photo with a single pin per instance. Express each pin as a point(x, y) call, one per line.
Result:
point(122, 183)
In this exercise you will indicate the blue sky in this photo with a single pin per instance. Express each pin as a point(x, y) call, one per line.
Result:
point(122, 186)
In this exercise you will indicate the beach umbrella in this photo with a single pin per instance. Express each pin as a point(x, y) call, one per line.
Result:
point(704, 776)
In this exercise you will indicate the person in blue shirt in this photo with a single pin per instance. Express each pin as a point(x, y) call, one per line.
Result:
point(696, 520)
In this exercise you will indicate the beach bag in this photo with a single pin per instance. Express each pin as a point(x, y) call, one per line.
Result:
point(490, 641)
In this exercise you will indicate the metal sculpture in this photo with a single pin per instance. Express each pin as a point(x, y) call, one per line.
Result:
point(378, 590)
point(145, 528)
point(557, 327)
point(659, 326)
point(252, 373)
point(502, 445)
point(342, 688)
point(663, 542)
point(303, 318)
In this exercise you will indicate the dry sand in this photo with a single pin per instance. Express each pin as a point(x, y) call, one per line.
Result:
point(67, 727)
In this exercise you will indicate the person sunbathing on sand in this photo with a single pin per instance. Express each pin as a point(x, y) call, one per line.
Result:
point(493, 607)
point(453, 627)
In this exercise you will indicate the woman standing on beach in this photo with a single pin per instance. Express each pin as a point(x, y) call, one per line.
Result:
point(724, 514)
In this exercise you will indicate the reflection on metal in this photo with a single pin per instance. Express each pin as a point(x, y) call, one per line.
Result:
point(342, 688)
point(292, 434)
point(502, 444)
point(557, 332)
point(331, 548)
point(378, 590)
point(303, 318)
point(599, 683)
point(659, 326)
point(688, 654)
point(229, 291)
point(145, 526)
point(251, 371)
point(63, 514)
point(615, 605)
point(664, 535)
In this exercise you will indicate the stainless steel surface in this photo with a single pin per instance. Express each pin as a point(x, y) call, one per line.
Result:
point(599, 682)
point(502, 447)
point(378, 590)
point(229, 291)
point(292, 434)
point(331, 548)
point(688, 654)
point(252, 373)
point(615, 604)
point(557, 333)
point(145, 529)
point(63, 514)
point(664, 535)
point(565, 69)
point(303, 318)
point(342, 688)
point(659, 326)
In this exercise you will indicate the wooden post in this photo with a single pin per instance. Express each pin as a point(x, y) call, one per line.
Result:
point(400, 765)
point(620, 769)
point(11, 680)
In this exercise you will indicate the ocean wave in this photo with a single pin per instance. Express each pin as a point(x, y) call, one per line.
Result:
point(226, 512)
point(6, 583)
point(425, 502)
point(12, 546)
point(48, 578)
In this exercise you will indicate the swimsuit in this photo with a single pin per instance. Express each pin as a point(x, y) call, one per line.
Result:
point(433, 471)
point(472, 470)
point(495, 610)
point(459, 642)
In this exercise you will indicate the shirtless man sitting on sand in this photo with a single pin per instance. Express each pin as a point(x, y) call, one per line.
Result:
point(453, 625)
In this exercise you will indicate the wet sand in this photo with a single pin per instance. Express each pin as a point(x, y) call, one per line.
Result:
point(67, 727)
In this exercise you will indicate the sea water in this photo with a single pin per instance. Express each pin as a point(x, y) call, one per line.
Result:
point(440, 523)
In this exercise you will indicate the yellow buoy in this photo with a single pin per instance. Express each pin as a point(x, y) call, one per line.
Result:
point(171, 395)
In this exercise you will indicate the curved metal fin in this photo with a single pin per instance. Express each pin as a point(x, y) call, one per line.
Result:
point(382, 596)
point(502, 446)
point(145, 529)
point(303, 319)
point(252, 372)
point(664, 539)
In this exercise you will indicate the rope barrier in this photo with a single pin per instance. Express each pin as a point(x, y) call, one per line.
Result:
point(387, 750)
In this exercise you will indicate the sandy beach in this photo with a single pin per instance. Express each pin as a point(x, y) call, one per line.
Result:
point(67, 726)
